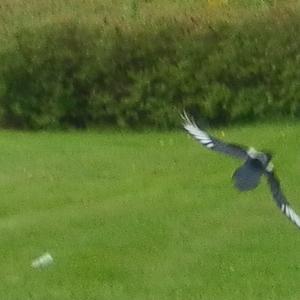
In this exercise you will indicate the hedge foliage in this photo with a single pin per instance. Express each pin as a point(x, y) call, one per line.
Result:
point(71, 74)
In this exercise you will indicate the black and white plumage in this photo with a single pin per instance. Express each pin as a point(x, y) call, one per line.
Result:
point(246, 177)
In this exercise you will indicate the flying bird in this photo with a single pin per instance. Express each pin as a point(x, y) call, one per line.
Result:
point(247, 176)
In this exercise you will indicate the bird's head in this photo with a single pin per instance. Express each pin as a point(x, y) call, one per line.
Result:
point(264, 157)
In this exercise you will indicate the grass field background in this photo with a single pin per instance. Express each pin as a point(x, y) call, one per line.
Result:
point(144, 216)
point(16, 14)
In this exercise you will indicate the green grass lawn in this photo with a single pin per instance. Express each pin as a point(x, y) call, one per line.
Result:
point(144, 216)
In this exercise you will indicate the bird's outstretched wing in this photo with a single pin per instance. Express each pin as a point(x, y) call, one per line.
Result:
point(280, 199)
point(211, 142)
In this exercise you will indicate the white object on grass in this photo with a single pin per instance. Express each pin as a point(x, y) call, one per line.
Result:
point(42, 261)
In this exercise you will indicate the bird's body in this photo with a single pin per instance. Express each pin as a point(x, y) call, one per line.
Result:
point(247, 177)
point(256, 164)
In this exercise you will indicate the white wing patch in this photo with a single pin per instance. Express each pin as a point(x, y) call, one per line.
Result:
point(196, 132)
point(291, 214)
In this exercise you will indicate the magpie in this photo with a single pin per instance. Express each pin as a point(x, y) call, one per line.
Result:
point(246, 177)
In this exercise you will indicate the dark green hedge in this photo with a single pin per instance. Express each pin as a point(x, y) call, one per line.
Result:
point(89, 75)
